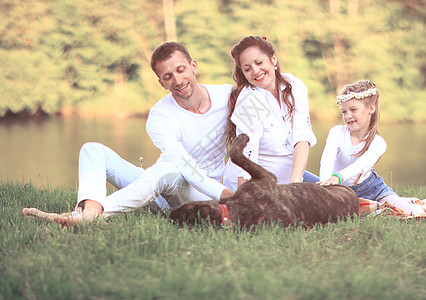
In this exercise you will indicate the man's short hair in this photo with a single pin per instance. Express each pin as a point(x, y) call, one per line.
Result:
point(165, 51)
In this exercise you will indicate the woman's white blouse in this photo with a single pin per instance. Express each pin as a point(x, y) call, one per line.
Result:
point(271, 131)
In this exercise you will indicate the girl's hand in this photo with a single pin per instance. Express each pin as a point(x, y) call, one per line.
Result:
point(330, 181)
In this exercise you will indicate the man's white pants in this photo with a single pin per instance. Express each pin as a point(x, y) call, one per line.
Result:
point(137, 187)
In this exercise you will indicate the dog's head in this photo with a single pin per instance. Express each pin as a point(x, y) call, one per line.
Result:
point(193, 212)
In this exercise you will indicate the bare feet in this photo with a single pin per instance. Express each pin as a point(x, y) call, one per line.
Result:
point(367, 206)
point(91, 211)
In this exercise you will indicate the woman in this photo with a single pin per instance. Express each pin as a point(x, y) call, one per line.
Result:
point(272, 109)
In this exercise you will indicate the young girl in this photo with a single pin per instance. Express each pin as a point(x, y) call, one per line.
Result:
point(272, 109)
point(352, 150)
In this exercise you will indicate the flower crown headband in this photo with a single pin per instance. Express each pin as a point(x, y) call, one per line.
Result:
point(358, 96)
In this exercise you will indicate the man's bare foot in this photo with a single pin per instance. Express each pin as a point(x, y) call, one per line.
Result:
point(91, 211)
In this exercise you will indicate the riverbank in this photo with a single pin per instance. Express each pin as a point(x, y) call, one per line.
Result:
point(45, 151)
point(118, 113)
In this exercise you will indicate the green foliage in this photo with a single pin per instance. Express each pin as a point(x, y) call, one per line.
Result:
point(58, 54)
point(143, 256)
point(61, 55)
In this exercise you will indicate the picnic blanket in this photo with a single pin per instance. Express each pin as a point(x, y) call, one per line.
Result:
point(385, 208)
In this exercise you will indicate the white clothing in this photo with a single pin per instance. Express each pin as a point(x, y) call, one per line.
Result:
point(137, 187)
point(194, 143)
point(404, 203)
point(337, 156)
point(190, 167)
point(272, 133)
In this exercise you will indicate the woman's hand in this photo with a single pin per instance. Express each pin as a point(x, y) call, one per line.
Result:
point(241, 180)
point(226, 193)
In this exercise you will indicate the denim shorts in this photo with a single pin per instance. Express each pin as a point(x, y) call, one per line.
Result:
point(373, 188)
point(310, 177)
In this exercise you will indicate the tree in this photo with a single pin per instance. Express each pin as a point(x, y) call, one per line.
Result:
point(169, 20)
point(85, 57)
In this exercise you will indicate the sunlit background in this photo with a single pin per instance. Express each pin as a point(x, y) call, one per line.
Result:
point(88, 61)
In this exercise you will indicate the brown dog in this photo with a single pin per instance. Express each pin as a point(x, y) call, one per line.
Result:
point(262, 201)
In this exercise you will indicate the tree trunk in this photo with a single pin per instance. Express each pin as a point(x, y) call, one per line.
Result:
point(169, 20)
point(339, 50)
point(334, 6)
point(353, 7)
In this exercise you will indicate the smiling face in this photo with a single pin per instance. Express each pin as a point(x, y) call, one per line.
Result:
point(356, 114)
point(258, 68)
point(177, 75)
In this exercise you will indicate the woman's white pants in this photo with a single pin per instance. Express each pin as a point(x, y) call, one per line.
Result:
point(137, 187)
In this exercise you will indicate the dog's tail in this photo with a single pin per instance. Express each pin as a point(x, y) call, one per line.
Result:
point(237, 156)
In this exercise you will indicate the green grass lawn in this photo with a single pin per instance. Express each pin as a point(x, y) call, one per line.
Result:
point(142, 256)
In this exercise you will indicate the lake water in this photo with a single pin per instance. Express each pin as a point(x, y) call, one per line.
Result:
point(45, 152)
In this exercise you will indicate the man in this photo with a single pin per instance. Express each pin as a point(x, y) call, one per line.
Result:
point(187, 125)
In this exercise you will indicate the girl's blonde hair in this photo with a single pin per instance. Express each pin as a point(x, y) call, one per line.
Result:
point(361, 86)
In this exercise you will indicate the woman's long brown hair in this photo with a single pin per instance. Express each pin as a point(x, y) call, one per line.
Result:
point(241, 82)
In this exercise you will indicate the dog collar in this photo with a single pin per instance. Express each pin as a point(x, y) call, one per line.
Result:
point(224, 211)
